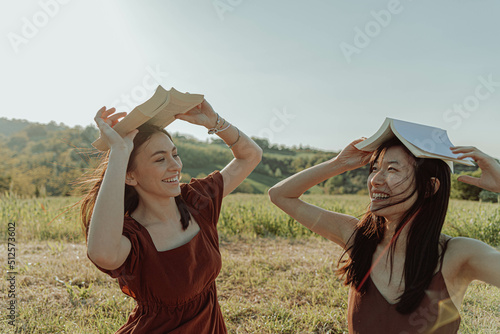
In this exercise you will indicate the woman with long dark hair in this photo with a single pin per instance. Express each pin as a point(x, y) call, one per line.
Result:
point(405, 276)
point(156, 236)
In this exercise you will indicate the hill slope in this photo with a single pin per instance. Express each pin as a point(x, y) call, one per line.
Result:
point(47, 159)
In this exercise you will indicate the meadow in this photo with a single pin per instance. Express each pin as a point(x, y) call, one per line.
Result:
point(277, 276)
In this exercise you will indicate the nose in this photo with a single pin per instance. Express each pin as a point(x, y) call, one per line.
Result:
point(174, 164)
point(377, 178)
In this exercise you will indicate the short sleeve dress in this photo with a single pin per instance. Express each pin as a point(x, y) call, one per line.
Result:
point(175, 289)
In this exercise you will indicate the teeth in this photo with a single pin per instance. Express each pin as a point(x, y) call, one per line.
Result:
point(173, 179)
point(379, 196)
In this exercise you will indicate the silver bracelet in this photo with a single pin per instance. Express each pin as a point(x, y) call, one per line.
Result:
point(214, 129)
point(228, 125)
point(231, 146)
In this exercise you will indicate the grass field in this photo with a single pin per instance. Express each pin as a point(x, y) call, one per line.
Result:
point(277, 277)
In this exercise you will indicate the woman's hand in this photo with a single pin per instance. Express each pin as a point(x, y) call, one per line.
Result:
point(203, 114)
point(105, 120)
point(490, 177)
point(352, 158)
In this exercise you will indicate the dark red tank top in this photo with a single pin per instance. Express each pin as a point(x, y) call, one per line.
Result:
point(370, 313)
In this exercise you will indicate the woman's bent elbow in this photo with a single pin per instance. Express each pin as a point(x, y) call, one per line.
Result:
point(258, 154)
point(273, 194)
point(104, 260)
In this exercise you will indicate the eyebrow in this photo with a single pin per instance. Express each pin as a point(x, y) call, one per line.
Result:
point(388, 162)
point(163, 151)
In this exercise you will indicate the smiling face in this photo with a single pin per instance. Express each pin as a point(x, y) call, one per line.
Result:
point(156, 168)
point(391, 183)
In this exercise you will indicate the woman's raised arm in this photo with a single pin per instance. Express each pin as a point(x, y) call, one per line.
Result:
point(477, 260)
point(247, 154)
point(106, 245)
point(331, 225)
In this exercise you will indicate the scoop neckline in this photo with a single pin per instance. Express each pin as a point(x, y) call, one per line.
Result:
point(167, 250)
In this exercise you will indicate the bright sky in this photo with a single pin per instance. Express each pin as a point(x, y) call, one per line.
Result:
point(320, 73)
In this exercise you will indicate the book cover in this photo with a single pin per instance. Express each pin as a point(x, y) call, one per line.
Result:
point(421, 140)
point(159, 110)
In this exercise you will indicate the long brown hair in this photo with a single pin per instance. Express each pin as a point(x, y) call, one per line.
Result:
point(422, 245)
point(93, 181)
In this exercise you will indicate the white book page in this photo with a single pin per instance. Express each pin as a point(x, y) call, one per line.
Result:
point(427, 138)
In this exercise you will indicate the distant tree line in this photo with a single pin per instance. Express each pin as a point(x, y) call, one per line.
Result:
point(47, 160)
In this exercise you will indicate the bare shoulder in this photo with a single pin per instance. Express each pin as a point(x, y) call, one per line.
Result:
point(457, 250)
point(462, 245)
point(463, 257)
point(453, 267)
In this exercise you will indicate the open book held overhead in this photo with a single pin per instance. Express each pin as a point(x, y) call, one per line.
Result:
point(421, 140)
point(160, 110)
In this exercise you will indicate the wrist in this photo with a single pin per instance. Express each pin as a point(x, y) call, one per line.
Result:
point(220, 125)
point(119, 153)
point(212, 121)
point(338, 166)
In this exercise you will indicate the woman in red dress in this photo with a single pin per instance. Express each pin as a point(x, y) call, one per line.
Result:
point(159, 237)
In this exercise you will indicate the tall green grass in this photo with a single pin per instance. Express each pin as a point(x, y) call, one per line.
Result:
point(40, 218)
point(243, 216)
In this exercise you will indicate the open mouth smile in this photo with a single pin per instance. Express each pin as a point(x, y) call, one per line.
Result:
point(174, 179)
point(379, 196)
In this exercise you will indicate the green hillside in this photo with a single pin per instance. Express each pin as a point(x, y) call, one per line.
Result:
point(47, 160)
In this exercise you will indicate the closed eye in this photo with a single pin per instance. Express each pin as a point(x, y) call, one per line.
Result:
point(163, 158)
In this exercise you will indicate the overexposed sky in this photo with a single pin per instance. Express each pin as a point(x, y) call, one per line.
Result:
point(318, 73)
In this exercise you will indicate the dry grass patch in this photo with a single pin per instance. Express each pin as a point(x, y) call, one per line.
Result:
point(266, 286)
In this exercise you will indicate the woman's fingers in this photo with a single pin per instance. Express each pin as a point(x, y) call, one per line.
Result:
point(108, 112)
point(183, 117)
point(117, 116)
point(469, 155)
point(193, 116)
point(206, 106)
point(99, 113)
point(490, 176)
point(366, 154)
point(106, 116)
point(463, 148)
point(106, 119)
point(114, 118)
point(100, 122)
point(468, 152)
point(357, 141)
point(102, 113)
point(105, 123)
point(469, 180)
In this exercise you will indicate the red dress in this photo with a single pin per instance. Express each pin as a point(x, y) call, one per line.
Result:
point(175, 289)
